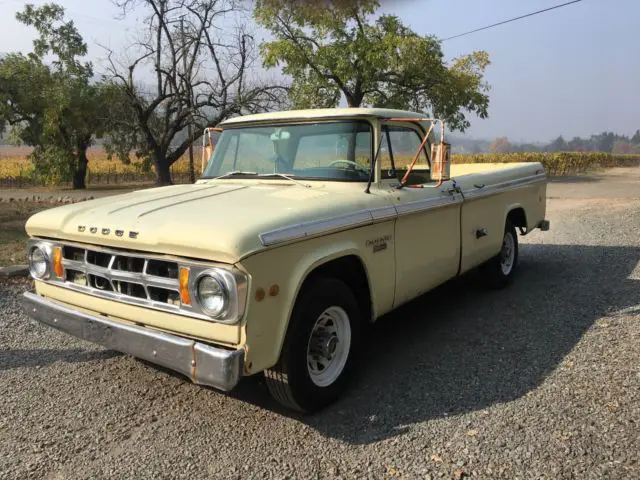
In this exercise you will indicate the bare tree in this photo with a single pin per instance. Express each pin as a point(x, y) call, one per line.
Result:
point(203, 72)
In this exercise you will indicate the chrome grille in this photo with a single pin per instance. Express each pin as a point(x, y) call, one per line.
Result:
point(143, 279)
point(128, 275)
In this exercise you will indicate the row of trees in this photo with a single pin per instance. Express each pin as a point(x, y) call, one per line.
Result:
point(604, 142)
point(205, 71)
point(607, 142)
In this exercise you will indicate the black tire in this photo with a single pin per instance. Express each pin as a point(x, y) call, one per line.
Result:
point(492, 271)
point(289, 381)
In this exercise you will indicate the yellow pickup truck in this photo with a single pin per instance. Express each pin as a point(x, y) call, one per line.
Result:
point(305, 227)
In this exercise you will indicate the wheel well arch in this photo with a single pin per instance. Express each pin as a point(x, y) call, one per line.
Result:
point(517, 216)
point(352, 271)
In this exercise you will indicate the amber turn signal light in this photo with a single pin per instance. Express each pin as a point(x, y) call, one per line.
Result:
point(58, 269)
point(185, 298)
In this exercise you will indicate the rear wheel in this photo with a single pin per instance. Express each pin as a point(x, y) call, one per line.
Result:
point(319, 349)
point(498, 272)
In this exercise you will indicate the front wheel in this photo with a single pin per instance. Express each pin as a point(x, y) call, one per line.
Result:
point(319, 349)
point(498, 272)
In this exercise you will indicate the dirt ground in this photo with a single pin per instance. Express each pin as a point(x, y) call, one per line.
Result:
point(537, 381)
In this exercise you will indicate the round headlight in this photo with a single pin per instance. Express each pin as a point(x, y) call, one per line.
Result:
point(38, 263)
point(212, 295)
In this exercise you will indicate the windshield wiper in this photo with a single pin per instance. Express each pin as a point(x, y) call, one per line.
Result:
point(282, 175)
point(234, 172)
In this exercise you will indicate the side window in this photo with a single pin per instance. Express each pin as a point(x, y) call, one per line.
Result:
point(403, 144)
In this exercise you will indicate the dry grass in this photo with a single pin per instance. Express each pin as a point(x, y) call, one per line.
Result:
point(558, 163)
point(13, 238)
point(16, 170)
point(14, 163)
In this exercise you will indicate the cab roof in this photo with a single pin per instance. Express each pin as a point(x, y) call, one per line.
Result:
point(320, 113)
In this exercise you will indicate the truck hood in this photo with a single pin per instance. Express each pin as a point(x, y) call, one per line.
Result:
point(217, 221)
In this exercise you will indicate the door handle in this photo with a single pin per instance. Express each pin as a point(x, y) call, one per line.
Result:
point(453, 189)
point(481, 232)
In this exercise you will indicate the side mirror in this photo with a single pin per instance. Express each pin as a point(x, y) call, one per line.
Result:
point(209, 141)
point(441, 161)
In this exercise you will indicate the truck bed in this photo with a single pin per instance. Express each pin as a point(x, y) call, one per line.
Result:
point(497, 171)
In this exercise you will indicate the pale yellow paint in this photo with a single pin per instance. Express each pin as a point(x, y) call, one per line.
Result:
point(427, 246)
point(490, 212)
point(220, 221)
point(216, 220)
point(288, 266)
point(189, 327)
point(459, 169)
point(319, 114)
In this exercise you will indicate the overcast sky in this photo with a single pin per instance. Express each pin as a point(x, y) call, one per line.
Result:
point(572, 71)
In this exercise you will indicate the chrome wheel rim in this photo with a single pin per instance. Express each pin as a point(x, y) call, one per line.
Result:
point(508, 253)
point(328, 347)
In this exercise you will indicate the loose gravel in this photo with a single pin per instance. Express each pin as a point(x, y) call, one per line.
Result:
point(539, 381)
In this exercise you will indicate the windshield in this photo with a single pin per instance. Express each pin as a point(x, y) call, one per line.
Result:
point(325, 150)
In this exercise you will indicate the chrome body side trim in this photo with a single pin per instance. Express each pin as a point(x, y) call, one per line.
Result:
point(384, 214)
point(316, 228)
point(503, 186)
point(356, 219)
point(427, 204)
point(202, 363)
point(361, 218)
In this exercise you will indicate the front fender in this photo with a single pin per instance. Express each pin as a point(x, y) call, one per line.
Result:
point(280, 272)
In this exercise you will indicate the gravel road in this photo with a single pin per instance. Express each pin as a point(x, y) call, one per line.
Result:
point(541, 380)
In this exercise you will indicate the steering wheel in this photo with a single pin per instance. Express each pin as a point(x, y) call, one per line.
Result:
point(355, 165)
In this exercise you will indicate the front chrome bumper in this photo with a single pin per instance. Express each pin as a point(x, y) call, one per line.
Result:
point(203, 364)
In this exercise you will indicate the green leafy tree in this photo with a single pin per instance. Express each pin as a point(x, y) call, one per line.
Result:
point(577, 144)
point(500, 145)
point(336, 49)
point(558, 145)
point(529, 147)
point(604, 141)
point(53, 106)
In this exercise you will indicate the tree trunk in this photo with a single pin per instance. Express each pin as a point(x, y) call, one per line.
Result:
point(192, 170)
point(163, 173)
point(354, 100)
point(80, 175)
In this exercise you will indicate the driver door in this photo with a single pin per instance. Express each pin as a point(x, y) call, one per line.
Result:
point(427, 231)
